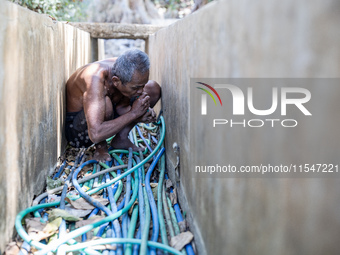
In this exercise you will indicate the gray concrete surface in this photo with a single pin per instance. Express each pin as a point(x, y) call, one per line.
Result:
point(37, 56)
point(225, 39)
point(117, 30)
point(261, 39)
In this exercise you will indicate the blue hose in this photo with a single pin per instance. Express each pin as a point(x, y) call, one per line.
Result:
point(64, 173)
point(116, 226)
point(110, 196)
point(136, 246)
point(154, 212)
point(96, 203)
point(121, 205)
point(101, 229)
point(110, 187)
point(140, 197)
point(83, 194)
point(45, 217)
point(94, 212)
point(37, 213)
point(144, 140)
point(188, 248)
point(25, 248)
point(61, 169)
point(115, 187)
point(125, 224)
point(96, 180)
point(154, 139)
point(62, 227)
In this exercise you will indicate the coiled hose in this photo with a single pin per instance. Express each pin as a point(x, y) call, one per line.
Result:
point(139, 184)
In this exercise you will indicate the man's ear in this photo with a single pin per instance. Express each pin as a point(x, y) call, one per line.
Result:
point(116, 81)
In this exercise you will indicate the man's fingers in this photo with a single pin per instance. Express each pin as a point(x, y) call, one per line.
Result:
point(146, 99)
point(149, 116)
point(148, 113)
point(152, 113)
point(144, 94)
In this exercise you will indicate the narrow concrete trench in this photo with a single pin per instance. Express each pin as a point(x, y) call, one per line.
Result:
point(258, 49)
point(91, 207)
point(124, 206)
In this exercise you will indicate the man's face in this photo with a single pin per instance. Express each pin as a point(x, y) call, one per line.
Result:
point(135, 87)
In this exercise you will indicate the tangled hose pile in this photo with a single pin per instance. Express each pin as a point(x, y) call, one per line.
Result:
point(107, 208)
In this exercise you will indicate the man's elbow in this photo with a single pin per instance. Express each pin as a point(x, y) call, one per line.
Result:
point(95, 136)
point(154, 91)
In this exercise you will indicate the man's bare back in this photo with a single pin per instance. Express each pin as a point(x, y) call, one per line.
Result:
point(81, 78)
point(101, 104)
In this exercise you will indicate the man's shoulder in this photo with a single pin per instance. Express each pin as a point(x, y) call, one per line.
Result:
point(105, 63)
point(108, 60)
point(96, 69)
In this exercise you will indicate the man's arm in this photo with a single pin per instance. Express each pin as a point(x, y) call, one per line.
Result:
point(97, 105)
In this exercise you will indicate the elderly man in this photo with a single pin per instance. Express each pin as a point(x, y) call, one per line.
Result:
point(107, 98)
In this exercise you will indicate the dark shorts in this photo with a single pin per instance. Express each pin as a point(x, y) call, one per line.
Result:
point(76, 130)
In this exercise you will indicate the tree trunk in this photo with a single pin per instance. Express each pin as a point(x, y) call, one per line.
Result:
point(123, 11)
point(199, 4)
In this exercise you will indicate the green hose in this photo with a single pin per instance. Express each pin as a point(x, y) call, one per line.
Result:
point(159, 202)
point(126, 151)
point(22, 214)
point(135, 136)
point(167, 214)
point(39, 245)
point(81, 246)
point(55, 244)
point(173, 217)
point(132, 228)
point(114, 175)
point(86, 186)
point(174, 221)
point(108, 140)
point(139, 164)
point(145, 231)
point(147, 127)
point(37, 214)
point(145, 235)
point(89, 227)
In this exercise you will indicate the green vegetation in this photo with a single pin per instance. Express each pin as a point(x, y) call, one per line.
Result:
point(66, 10)
point(78, 10)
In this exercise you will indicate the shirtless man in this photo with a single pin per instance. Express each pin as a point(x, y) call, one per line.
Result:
point(107, 98)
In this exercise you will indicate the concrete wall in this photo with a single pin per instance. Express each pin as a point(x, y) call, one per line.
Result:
point(37, 55)
point(254, 39)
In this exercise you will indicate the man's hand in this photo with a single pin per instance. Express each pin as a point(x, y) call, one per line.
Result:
point(141, 105)
point(148, 117)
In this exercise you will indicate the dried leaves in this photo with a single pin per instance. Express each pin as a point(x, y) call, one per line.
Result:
point(56, 213)
point(82, 204)
point(38, 230)
point(179, 241)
